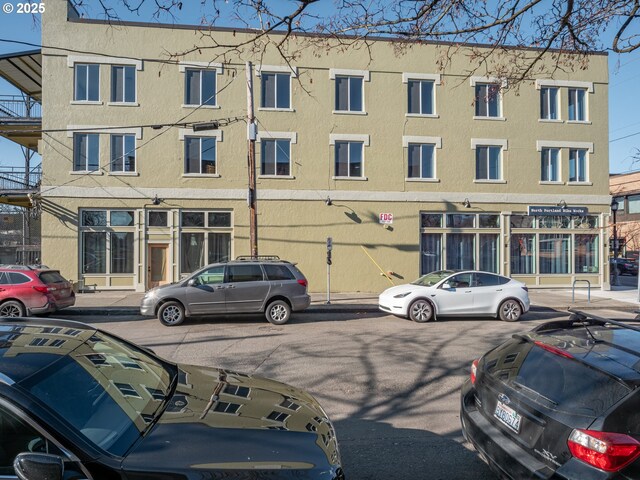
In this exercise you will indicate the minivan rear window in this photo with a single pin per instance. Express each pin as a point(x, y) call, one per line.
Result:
point(559, 383)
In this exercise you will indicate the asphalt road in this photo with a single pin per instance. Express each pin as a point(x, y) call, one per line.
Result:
point(391, 386)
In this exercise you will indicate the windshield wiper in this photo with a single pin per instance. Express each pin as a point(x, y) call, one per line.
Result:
point(163, 405)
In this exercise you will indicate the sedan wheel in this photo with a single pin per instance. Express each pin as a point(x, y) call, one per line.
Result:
point(510, 311)
point(12, 309)
point(171, 314)
point(420, 311)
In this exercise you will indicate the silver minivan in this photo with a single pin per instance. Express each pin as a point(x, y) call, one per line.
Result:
point(245, 285)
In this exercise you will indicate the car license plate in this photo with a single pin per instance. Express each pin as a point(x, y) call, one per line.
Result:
point(508, 416)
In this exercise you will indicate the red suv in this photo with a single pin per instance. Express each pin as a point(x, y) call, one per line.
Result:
point(28, 290)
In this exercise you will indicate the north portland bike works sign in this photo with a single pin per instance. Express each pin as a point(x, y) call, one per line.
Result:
point(571, 211)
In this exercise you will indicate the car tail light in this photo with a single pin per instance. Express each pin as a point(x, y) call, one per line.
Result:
point(554, 350)
point(474, 370)
point(43, 289)
point(607, 451)
point(303, 282)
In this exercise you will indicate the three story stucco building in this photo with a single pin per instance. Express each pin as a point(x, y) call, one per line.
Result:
point(407, 168)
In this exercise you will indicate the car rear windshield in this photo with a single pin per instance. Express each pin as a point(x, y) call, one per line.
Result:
point(559, 383)
point(51, 277)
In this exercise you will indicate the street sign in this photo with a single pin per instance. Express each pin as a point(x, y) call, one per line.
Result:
point(386, 218)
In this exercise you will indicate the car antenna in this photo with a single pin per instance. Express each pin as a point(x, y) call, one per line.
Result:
point(582, 319)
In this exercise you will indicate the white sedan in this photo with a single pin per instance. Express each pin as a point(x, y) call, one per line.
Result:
point(457, 293)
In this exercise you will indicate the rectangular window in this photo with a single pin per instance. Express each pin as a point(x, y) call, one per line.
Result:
point(200, 87)
point(633, 204)
point(550, 167)
point(200, 155)
point(86, 152)
point(554, 253)
point(577, 106)
point(586, 254)
point(349, 94)
point(522, 254)
point(276, 90)
point(94, 218)
point(219, 219)
point(192, 219)
point(349, 159)
point(158, 219)
point(219, 247)
point(488, 100)
point(421, 164)
point(431, 220)
point(87, 83)
point(488, 163)
point(460, 220)
point(420, 93)
point(430, 252)
point(549, 103)
point(123, 83)
point(191, 252)
point(122, 218)
point(488, 221)
point(577, 165)
point(121, 252)
point(620, 202)
point(94, 255)
point(489, 252)
point(123, 153)
point(460, 251)
point(276, 157)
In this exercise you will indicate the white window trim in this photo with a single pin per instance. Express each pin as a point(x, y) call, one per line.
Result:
point(436, 78)
point(564, 83)
point(365, 74)
point(490, 142)
point(73, 59)
point(188, 132)
point(292, 70)
point(348, 137)
point(86, 102)
point(183, 65)
point(553, 182)
point(540, 144)
point(407, 139)
point(71, 129)
point(291, 136)
point(482, 80)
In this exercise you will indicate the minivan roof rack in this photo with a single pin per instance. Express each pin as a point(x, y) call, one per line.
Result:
point(580, 318)
point(257, 257)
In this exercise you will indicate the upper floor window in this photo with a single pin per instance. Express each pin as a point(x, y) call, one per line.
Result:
point(549, 103)
point(550, 167)
point(86, 82)
point(200, 155)
point(86, 152)
point(488, 159)
point(123, 153)
point(200, 87)
point(578, 165)
point(488, 102)
point(421, 160)
point(421, 97)
point(349, 159)
point(349, 94)
point(577, 105)
point(123, 83)
point(276, 157)
point(276, 90)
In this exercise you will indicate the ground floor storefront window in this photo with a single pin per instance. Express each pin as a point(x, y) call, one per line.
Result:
point(205, 239)
point(107, 241)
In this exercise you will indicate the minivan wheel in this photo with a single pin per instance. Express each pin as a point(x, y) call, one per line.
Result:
point(171, 314)
point(12, 309)
point(510, 311)
point(420, 311)
point(278, 312)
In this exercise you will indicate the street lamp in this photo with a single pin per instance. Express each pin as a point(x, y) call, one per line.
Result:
point(614, 209)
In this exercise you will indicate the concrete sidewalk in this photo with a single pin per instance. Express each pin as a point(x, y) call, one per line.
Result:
point(127, 303)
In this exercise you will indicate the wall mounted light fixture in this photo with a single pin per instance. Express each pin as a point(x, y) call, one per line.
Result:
point(466, 203)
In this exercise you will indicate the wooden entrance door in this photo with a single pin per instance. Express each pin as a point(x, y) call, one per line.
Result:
point(158, 265)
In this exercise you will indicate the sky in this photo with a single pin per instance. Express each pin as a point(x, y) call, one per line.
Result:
point(624, 88)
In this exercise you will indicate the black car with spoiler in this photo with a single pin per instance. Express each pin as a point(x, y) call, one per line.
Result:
point(559, 402)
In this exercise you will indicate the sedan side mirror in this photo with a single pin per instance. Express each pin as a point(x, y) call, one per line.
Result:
point(445, 286)
point(192, 282)
point(36, 466)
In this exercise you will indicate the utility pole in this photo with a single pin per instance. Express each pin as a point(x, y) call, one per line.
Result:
point(252, 132)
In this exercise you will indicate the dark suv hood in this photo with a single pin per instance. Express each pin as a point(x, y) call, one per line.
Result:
point(223, 422)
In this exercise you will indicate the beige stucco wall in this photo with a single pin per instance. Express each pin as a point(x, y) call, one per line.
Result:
point(293, 218)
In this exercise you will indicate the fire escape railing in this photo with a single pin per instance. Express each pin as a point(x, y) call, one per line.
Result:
point(16, 107)
point(17, 179)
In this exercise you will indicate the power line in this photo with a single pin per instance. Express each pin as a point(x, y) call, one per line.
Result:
point(626, 136)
